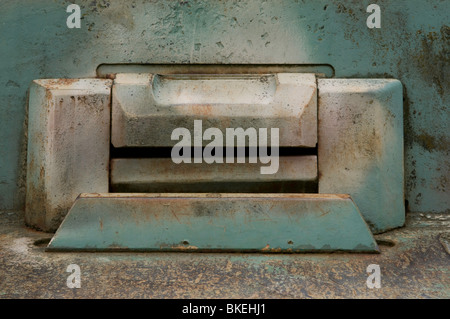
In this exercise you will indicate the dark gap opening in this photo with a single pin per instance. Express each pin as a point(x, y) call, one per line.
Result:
point(220, 187)
point(165, 152)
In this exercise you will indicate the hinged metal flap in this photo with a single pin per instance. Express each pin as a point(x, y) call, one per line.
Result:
point(146, 108)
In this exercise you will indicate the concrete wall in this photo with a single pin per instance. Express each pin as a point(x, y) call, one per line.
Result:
point(412, 45)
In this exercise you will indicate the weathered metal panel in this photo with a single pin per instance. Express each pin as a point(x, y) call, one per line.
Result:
point(163, 175)
point(110, 70)
point(360, 149)
point(68, 146)
point(214, 222)
point(146, 108)
point(412, 45)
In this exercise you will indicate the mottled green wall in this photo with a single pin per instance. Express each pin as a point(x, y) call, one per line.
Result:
point(412, 45)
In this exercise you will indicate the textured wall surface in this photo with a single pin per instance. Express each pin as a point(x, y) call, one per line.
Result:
point(412, 45)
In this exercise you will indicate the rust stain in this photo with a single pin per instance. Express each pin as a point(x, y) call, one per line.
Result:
point(48, 97)
point(324, 213)
point(432, 59)
point(230, 196)
point(62, 82)
point(117, 246)
point(202, 110)
point(175, 215)
point(31, 165)
point(36, 208)
point(179, 247)
point(431, 143)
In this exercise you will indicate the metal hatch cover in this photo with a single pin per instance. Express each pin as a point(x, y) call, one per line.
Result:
point(214, 222)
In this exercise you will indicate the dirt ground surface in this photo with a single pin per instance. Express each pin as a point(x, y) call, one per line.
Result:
point(414, 263)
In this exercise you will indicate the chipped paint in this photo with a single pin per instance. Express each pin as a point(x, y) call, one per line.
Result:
point(411, 46)
point(68, 148)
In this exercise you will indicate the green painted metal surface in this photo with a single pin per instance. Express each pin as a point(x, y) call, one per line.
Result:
point(68, 146)
point(296, 174)
point(411, 46)
point(360, 149)
point(146, 108)
point(212, 222)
